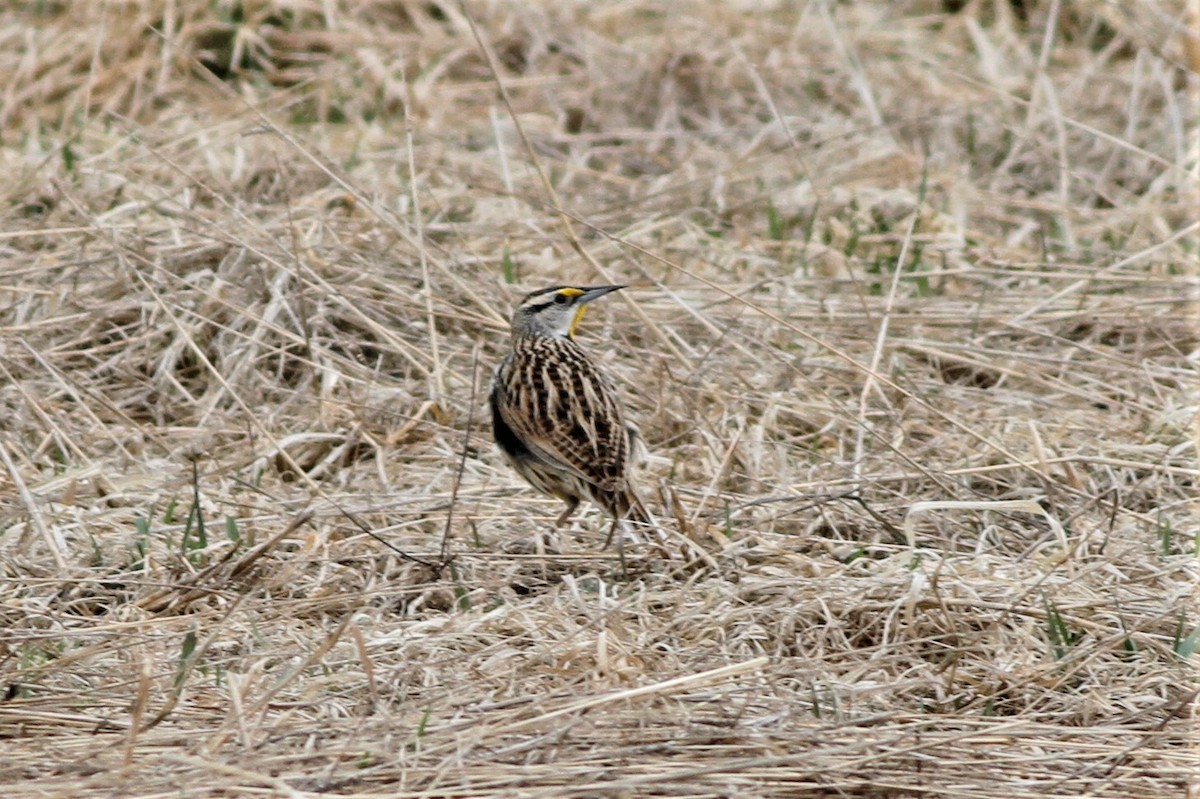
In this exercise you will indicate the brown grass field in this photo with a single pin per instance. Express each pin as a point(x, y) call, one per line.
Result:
point(911, 336)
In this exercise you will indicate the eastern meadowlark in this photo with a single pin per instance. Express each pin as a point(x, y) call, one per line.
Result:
point(556, 414)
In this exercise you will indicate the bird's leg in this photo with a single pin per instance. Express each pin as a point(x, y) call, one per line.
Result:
point(611, 532)
point(572, 504)
point(621, 556)
point(617, 520)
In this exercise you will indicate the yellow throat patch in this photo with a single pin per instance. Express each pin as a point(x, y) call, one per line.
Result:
point(575, 321)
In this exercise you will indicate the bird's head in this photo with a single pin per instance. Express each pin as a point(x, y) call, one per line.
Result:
point(555, 311)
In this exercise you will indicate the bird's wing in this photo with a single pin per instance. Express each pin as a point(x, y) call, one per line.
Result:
point(569, 415)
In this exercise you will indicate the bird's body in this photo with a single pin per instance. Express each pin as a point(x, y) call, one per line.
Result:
point(557, 416)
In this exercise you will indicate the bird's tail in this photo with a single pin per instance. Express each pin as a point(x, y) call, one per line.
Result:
point(638, 521)
point(631, 514)
point(635, 511)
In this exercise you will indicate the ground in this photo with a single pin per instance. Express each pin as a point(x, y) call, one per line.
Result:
point(910, 336)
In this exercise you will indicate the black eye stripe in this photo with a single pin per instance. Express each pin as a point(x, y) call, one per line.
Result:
point(532, 309)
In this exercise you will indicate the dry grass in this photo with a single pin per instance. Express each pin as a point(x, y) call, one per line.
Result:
point(254, 539)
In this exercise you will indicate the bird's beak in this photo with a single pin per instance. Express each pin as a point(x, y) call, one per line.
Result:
point(594, 293)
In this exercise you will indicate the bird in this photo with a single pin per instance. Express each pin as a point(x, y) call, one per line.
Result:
point(557, 415)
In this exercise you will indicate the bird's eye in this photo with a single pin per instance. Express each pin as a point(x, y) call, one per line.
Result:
point(561, 299)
